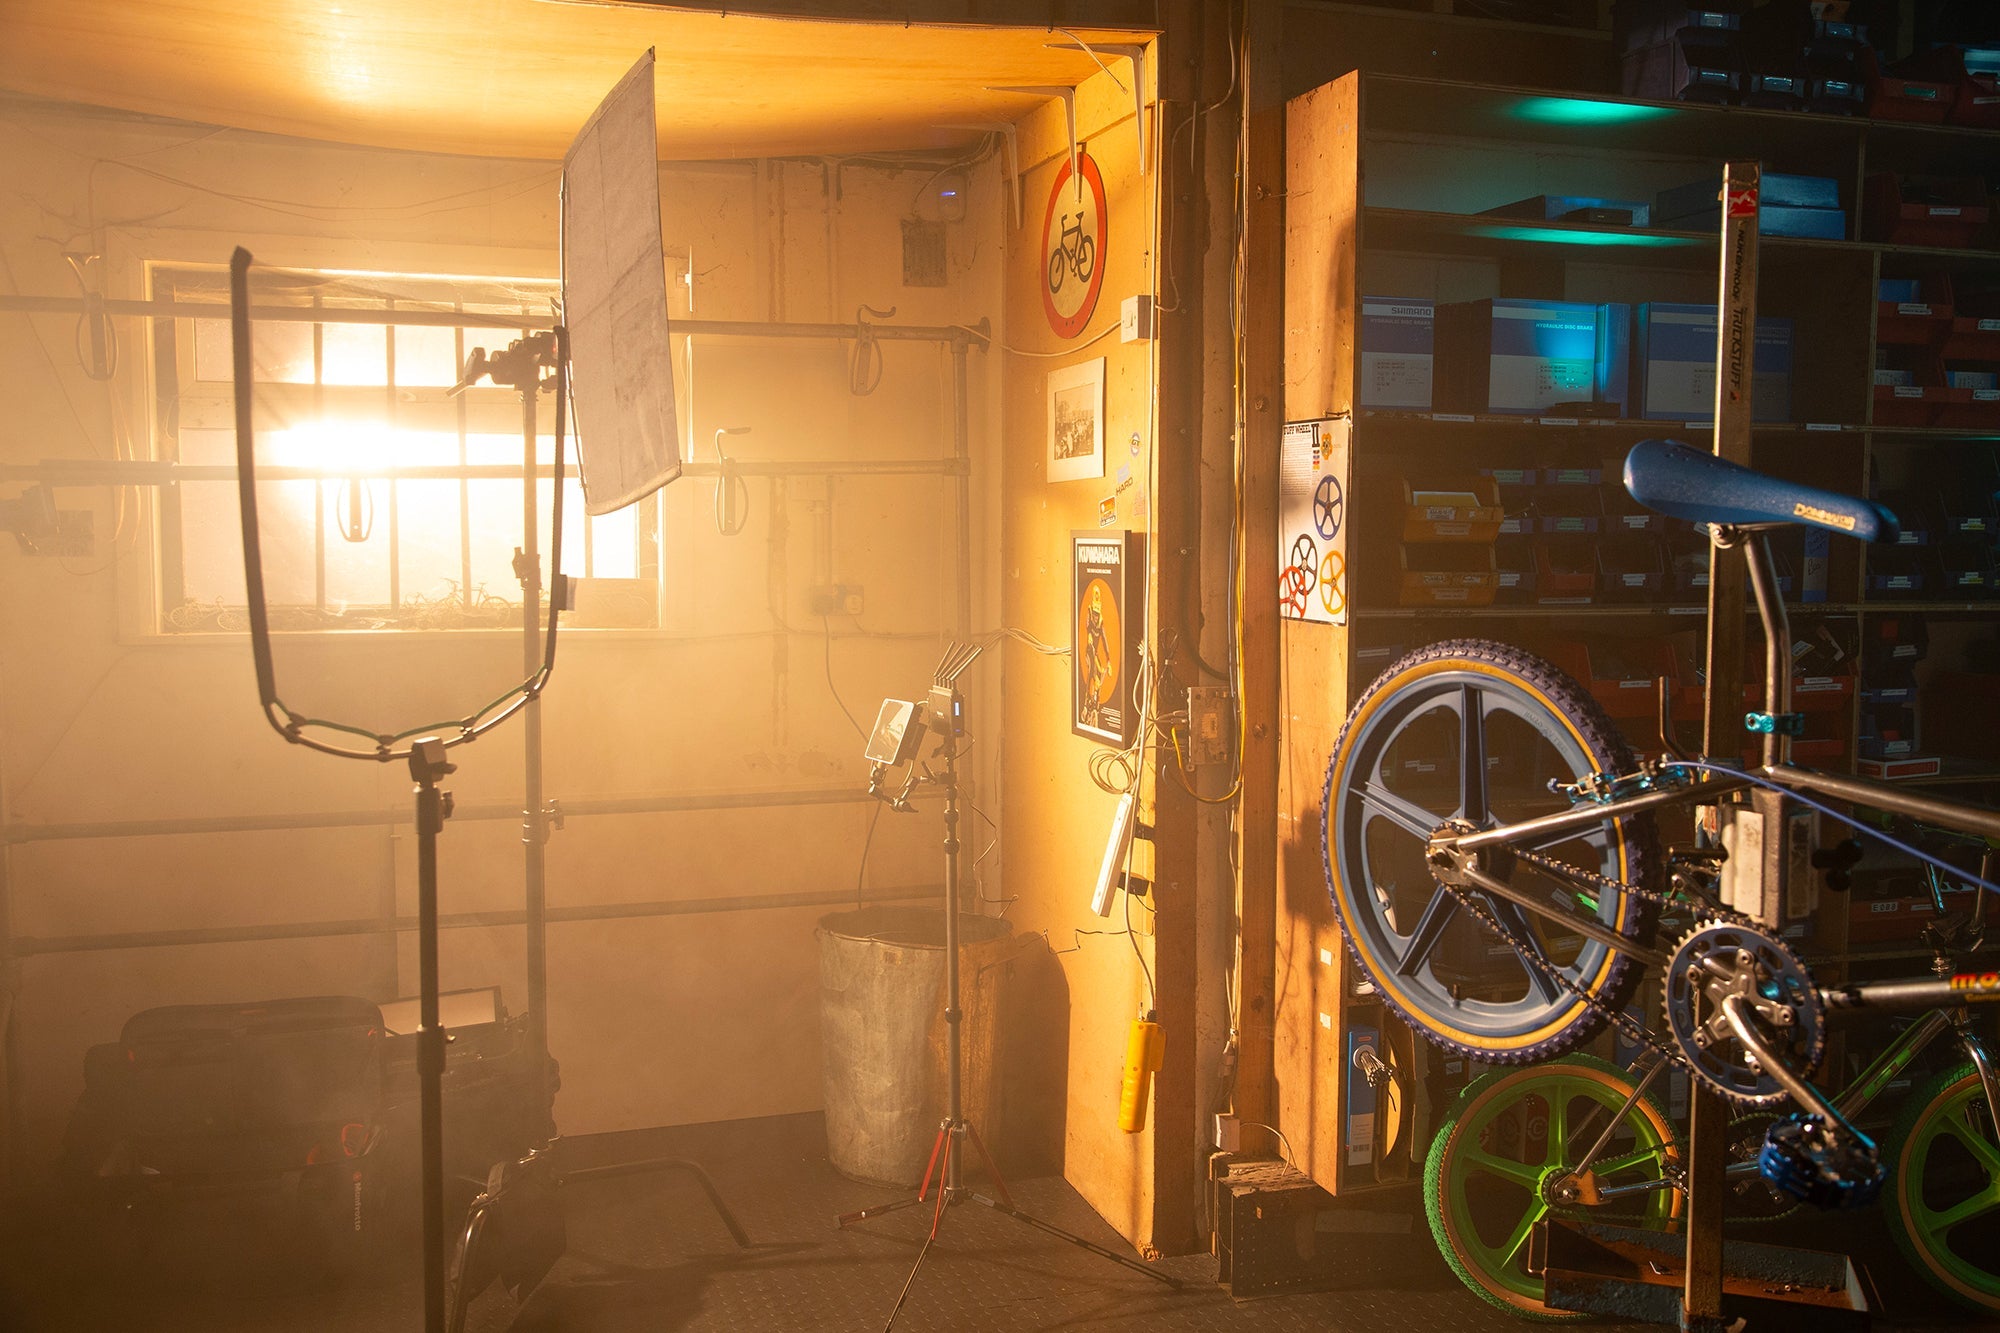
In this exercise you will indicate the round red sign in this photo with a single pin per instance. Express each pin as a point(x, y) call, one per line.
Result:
point(1073, 235)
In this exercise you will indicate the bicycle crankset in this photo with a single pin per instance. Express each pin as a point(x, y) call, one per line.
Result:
point(1727, 978)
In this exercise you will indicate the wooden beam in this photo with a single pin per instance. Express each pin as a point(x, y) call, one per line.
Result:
point(1264, 415)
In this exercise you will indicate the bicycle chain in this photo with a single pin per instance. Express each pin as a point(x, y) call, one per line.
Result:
point(1627, 1026)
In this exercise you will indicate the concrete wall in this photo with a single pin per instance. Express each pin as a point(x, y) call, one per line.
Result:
point(1058, 818)
point(657, 1020)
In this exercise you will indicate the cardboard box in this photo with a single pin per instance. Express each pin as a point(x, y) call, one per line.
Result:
point(1674, 364)
point(1522, 357)
point(1397, 342)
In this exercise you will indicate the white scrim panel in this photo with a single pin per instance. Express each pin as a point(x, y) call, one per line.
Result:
point(615, 300)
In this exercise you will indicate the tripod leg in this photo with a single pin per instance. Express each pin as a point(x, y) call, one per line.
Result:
point(999, 1181)
point(923, 1191)
point(910, 1281)
point(938, 1146)
point(1030, 1219)
point(943, 1194)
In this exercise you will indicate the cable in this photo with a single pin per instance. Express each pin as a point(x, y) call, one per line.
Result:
point(861, 871)
point(833, 689)
point(1290, 1159)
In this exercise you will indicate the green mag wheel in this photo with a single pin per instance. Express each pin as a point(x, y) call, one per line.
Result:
point(1506, 1150)
point(1474, 731)
point(1944, 1187)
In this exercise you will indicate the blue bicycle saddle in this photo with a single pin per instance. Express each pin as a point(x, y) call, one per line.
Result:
point(1696, 485)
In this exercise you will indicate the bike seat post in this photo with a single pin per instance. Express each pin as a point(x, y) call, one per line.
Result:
point(1777, 645)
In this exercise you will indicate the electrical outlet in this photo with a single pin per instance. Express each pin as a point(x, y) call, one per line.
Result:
point(1208, 725)
point(835, 599)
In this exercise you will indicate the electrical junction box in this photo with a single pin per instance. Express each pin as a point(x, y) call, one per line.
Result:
point(1208, 725)
point(1135, 319)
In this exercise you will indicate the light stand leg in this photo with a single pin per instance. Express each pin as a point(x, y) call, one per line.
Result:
point(428, 766)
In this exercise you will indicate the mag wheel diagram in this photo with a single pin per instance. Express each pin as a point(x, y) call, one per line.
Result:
point(1470, 733)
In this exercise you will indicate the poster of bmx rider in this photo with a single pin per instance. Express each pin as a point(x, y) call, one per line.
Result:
point(1108, 576)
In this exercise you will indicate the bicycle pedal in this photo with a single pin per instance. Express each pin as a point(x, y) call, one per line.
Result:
point(1826, 1166)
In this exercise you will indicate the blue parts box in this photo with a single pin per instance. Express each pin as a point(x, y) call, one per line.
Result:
point(1674, 364)
point(1397, 337)
point(1523, 357)
point(1798, 206)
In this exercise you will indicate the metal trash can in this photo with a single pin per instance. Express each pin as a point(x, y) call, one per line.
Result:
point(882, 987)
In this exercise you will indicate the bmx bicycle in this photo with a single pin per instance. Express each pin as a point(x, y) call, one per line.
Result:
point(1475, 787)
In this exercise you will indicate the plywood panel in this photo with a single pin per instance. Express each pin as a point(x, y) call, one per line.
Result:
point(1321, 196)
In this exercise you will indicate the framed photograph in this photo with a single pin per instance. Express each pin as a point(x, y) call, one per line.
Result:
point(1108, 573)
point(1076, 422)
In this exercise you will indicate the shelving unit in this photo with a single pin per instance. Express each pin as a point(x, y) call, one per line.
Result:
point(1387, 178)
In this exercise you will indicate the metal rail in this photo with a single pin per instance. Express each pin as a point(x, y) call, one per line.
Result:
point(30, 946)
point(964, 335)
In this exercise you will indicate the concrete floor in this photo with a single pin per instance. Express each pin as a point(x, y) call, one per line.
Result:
point(647, 1253)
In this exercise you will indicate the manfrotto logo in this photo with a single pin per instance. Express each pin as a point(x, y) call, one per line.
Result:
point(1976, 981)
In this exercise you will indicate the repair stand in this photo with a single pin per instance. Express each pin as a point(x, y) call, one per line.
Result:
point(945, 1171)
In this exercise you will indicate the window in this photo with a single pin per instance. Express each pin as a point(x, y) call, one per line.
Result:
point(393, 504)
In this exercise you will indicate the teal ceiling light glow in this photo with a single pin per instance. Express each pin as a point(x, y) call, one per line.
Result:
point(1644, 240)
point(1585, 111)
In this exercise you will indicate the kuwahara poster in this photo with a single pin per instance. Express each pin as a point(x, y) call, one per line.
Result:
point(1108, 573)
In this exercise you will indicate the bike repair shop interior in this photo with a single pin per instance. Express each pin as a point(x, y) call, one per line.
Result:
point(957, 621)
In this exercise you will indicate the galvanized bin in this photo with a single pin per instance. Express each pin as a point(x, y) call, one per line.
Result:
point(882, 989)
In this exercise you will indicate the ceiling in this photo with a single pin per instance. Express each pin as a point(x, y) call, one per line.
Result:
point(517, 78)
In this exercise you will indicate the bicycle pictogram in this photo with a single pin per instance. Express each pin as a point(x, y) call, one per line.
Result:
point(1075, 252)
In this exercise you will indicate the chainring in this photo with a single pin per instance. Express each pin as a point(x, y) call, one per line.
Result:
point(1725, 957)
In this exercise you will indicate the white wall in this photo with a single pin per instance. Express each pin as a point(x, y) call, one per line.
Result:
point(657, 1020)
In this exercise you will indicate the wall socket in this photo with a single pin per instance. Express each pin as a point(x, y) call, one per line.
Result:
point(835, 599)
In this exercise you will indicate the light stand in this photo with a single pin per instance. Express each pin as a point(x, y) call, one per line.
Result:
point(428, 767)
point(899, 734)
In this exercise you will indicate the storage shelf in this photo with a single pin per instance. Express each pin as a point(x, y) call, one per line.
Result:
point(1407, 104)
point(1929, 608)
point(1590, 610)
point(1421, 231)
point(1482, 422)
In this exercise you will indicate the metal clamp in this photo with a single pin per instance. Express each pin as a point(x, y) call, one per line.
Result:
point(1775, 724)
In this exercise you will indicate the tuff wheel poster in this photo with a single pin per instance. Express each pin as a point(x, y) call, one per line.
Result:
point(1313, 577)
point(1074, 226)
point(1108, 575)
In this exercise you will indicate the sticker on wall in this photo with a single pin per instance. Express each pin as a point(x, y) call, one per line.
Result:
point(1312, 521)
point(1073, 235)
point(1108, 573)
